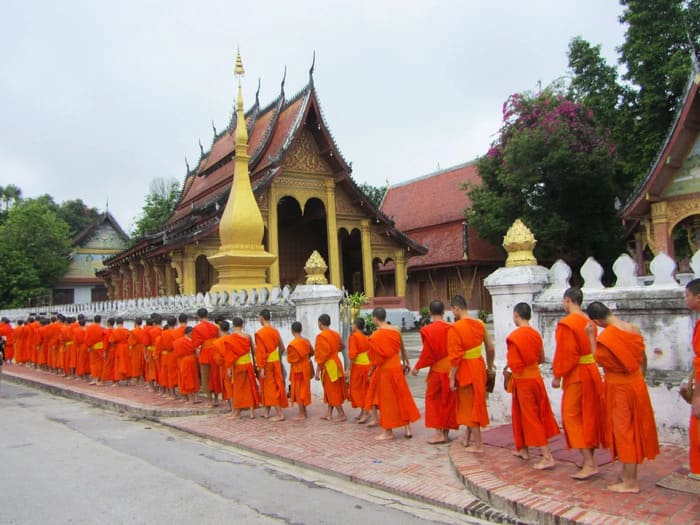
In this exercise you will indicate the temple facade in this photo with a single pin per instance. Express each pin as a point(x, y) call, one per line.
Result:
point(431, 210)
point(308, 201)
point(663, 214)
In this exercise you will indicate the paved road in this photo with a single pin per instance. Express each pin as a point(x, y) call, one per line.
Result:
point(67, 462)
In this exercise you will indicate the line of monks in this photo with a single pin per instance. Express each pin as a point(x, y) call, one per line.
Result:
point(613, 412)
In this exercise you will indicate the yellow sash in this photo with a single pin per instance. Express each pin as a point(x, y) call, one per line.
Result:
point(361, 359)
point(98, 346)
point(245, 359)
point(274, 356)
point(472, 353)
point(68, 343)
point(332, 370)
point(586, 359)
point(529, 372)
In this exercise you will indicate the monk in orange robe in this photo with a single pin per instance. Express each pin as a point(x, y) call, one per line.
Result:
point(440, 399)
point(386, 350)
point(155, 330)
point(19, 334)
point(63, 346)
point(358, 345)
point(185, 352)
point(533, 420)
point(6, 332)
point(268, 351)
point(54, 343)
point(33, 341)
point(582, 402)
point(468, 371)
point(204, 334)
point(330, 368)
point(239, 346)
point(110, 354)
point(692, 299)
point(136, 352)
point(119, 339)
point(172, 367)
point(167, 372)
point(630, 426)
point(82, 361)
point(94, 342)
point(298, 353)
point(222, 361)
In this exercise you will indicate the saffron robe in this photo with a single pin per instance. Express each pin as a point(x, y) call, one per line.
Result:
point(467, 335)
point(440, 400)
point(582, 402)
point(533, 420)
point(245, 385)
point(94, 342)
point(267, 358)
point(300, 371)
point(694, 426)
point(358, 344)
point(152, 364)
point(6, 332)
point(136, 352)
point(185, 353)
point(109, 357)
point(82, 365)
point(396, 405)
point(326, 349)
point(223, 360)
point(167, 363)
point(119, 338)
point(630, 426)
point(19, 344)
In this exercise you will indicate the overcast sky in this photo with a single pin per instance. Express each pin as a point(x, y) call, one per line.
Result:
point(98, 98)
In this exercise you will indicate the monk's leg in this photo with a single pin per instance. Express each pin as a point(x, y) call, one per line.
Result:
point(387, 433)
point(477, 447)
point(363, 417)
point(629, 483)
point(341, 414)
point(374, 418)
point(329, 413)
point(407, 432)
point(547, 461)
point(301, 414)
point(467, 437)
point(589, 467)
point(438, 437)
point(522, 453)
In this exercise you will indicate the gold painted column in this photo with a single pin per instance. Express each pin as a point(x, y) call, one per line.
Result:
point(367, 273)
point(189, 276)
point(659, 221)
point(273, 236)
point(332, 231)
point(400, 273)
point(170, 281)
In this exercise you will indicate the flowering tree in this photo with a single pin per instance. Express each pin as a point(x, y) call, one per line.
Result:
point(551, 166)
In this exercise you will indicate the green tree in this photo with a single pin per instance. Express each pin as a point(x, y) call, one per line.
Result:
point(77, 215)
point(551, 166)
point(160, 203)
point(374, 193)
point(34, 243)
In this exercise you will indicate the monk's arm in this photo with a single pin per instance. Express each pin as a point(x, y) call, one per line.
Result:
point(490, 350)
point(280, 346)
point(404, 355)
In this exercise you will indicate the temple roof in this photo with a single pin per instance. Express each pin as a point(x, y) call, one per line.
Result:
point(272, 130)
point(430, 209)
point(679, 141)
point(99, 220)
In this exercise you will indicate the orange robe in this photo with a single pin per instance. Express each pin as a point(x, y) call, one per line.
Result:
point(82, 361)
point(396, 405)
point(582, 402)
point(467, 336)
point(151, 361)
point(171, 366)
point(694, 426)
point(54, 343)
point(533, 420)
point(6, 332)
point(440, 400)
point(203, 335)
point(110, 355)
point(267, 358)
point(630, 426)
point(71, 348)
point(223, 360)
point(245, 386)
point(42, 345)
point(33, 342)
point(119, 338)
point(300, 371)
point(65, 349)
point(166, 361)
point(358, 344)
point(326, 350)
point(19, 343)
point(136, 353)
point(94, 342)
point(185, 352)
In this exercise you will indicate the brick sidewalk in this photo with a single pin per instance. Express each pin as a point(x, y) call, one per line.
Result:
point(409, 467)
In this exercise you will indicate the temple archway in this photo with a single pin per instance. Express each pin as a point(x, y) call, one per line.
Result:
point(300, 233)
point(205, 274)
point(685, 236)
point(384, 277)
point(350, 245)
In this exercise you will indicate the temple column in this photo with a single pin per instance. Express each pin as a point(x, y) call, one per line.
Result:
point(171, 287)
point(126, 281)
point(273, 236)
point(659, 220)
point(189, 276)
point(160, 269)
point(367, 273)
point(332, 232)
point(147, 278)
point(135, 280)
point(400, 273)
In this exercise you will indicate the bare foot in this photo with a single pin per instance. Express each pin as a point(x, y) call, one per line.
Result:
point(325, 418)
point(276, 418)
point(339, 419)
point(544, 464)
point(363, 420)
point(474, 450)
point(464, 441)
point(386, 435)
point(693, 475)
point(298, 418)
point(585, 473)
point(373, 423)
point(357, 418)
point(233, 416)
point(522, 454)
point(624, 488)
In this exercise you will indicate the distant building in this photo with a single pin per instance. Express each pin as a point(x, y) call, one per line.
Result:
point(663, 214)
point(100, 240)
point(430, 209)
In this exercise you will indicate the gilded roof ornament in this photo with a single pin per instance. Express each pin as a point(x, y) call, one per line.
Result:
point(519, 242)
point(315, 269)
point(238, 70)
